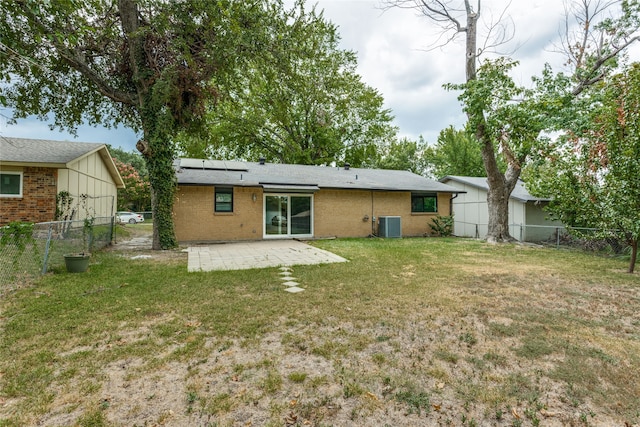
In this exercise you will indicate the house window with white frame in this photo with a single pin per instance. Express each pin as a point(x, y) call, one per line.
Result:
point(10, 184)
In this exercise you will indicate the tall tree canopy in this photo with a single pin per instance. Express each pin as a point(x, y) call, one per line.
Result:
point(402, 154)
point(137, 193)
point(507, 120)
point(132, 158)
point(455, 153)
point(592, 172)
point(302, 102)
point(152, 66)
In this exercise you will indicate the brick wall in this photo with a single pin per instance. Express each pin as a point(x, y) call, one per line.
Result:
point(338, 213)
point(195, 219)
point(38, 203)
point(342, 213)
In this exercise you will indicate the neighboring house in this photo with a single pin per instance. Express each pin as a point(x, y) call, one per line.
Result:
point(224, 200)
point(527, 219)
point(34, 171)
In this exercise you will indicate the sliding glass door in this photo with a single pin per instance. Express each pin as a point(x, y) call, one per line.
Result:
point(288, 215)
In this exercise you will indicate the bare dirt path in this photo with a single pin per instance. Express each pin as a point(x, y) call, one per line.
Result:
point(137, 244)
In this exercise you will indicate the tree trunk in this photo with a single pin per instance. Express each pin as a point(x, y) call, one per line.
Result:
point(157, 147)
point(498, 205)
point(499, 186)
point(158, 152)
point(634, 255)
point(162, 192)
point(470, 51)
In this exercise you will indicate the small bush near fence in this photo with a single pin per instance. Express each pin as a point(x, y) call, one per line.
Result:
point(442, 225)
point(584, 239)
point(27, 250)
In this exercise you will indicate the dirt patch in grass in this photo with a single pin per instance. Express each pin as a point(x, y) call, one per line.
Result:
point(439, 372)
point(136, 242)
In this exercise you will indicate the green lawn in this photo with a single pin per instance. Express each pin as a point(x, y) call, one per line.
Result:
point(409, 332)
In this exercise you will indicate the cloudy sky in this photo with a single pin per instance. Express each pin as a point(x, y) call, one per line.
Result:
point(397, 56)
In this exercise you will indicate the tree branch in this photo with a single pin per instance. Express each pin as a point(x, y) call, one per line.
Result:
point(598, 65)
point(442, 14)
point(76, 61)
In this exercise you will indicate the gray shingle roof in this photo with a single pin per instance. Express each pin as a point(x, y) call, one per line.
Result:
point(519, 191)
point(49, 153)
point(285, 176)
point(32, 151)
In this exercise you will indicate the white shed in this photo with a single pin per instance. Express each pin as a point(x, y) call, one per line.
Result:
point(527, 218)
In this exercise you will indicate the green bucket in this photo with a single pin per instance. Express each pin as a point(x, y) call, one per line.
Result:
point(77, 263)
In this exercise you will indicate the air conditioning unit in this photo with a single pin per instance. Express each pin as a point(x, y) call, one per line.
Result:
point(389, 226)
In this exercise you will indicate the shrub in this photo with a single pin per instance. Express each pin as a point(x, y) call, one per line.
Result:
point(442, 225)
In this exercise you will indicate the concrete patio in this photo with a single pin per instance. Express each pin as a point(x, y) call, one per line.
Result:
point(261, 254)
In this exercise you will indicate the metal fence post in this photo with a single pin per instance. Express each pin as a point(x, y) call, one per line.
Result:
point(46, 250)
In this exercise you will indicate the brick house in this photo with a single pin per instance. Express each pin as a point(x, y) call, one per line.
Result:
point(227, 201)
point(34, 171)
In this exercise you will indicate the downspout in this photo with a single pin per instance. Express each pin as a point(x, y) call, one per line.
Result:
point(451, 203)
point(451, 211)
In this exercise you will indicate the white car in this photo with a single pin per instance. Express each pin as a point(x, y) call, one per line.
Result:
point(129, 217)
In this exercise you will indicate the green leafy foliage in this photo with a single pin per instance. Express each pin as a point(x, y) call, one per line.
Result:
point(592, 172)
point(153, 67)
point(509, 121)
point(403, 154)
point(301, 101)
point(442, 225)
point(137, 193)
point(18, 234)
point(132, 158)
point(64, 206)
point(457, 152)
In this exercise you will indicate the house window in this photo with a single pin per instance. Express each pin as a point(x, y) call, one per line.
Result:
point(224, 199)
point(427, 202)
point(11, 184)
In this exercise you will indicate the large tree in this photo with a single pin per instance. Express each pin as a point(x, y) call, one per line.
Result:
point(136, 195)
point(501, 127)
point(401, 154)
point(302, 102)
point(137, 192)
point(150, 65)
point(592, 172)
point(455, 153)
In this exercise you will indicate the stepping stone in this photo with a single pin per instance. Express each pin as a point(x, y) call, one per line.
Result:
point(285, 268)
point(291, 283)
point(289, 278)
point(294, 289)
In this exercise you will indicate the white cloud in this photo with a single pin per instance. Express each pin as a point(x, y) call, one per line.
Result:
point(393, 57)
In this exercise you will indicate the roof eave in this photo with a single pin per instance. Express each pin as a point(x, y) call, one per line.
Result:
point(111, 166)
point(33, 164)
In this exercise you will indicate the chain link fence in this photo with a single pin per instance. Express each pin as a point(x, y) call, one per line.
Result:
point(28, 250)
point(550, 235)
